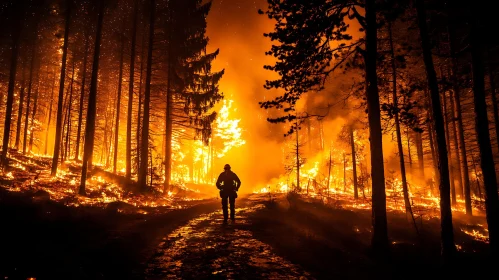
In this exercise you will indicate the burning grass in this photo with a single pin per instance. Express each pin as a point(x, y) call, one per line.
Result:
point(31, 174)
point(424, 205)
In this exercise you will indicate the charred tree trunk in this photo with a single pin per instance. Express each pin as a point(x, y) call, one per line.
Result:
point(92, 104)
point(483, 135)
point(309, 135)
point(33, 117)
point(380, 231)
point(456, 146)
point(16, 34)
point(494, 100)
point(448, 247)
point(20, 110)
point(329, 172)
point(68, 115)
point(82, 97)
point(118, 106)
point(462, 142)
point(419, 147)
point(405, 189)
point(354, 164)
point(142, 179)
point(344, 173)
point(106, 145)
point(64, 124)
point(297, 154)
point(447, 137)
point(321, 133)
point(128, 167)
point(50, 114)
point(28, 98)
point(409, 156)
point(58, 129)
point(431, 136)
point(139, 97)
point(168, 133)
point(169, 111)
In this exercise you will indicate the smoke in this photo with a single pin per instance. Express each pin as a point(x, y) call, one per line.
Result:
point(237, 30)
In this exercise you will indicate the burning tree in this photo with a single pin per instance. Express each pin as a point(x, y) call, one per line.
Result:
point(192, 88)
point(311, 46)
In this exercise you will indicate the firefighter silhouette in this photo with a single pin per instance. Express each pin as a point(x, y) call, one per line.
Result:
point(228, 183)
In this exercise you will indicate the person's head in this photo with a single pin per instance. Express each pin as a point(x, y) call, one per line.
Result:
point(227, 168)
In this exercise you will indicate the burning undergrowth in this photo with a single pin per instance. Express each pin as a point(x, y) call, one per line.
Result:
point(30, 175)
point(338, 192)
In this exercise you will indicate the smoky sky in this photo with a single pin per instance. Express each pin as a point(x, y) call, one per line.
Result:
point(236, 28)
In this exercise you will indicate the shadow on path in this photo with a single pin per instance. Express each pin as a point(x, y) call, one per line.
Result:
point(205, 248)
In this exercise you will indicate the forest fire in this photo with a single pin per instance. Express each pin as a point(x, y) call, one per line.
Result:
point(356, 126)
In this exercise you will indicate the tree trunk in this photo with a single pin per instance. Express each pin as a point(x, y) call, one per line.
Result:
point(169, 109)
point(494, 100)
point(297, 154)
point(20, 110)
point(448, 247)
point(321, 133)
point(142, 180)
point(16, 34)
point(139, 97)
point(82, 97)
point(58, 129)
point(447, 137)
point(309, 135)
point(64, 123)
point(456, 146)
point(419, 147)
point(118, 106)
point(92, 104)
point(49, 114)
point(28, 98)
point(354, 164)
point(107, 145)
point(169, 129)
point(128, 167)
point(329, 172)
point(33, 117)
point(67, 148)
point(344, 173)
point(462, 142)
point(405, 189)
point(409, 156)
point(431, 136)
point(483, 135)
point(380, 230)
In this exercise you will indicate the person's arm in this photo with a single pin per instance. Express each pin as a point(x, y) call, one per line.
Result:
point(238, 182)
point(219, 181)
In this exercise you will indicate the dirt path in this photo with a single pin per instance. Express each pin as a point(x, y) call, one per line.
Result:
point(205, 248)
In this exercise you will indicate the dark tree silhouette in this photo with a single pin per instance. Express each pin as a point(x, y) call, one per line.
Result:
point(92, 102)
point(482, 130)
point(142, 179)
point(191, 89)
point(60, 102)
point(82, 94)
point(128, 159)
point(118, 104)
point(305, 31)
point(16, 20)
point(448, 247)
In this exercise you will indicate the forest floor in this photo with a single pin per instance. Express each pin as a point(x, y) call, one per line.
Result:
point(287, 238)
point(46, 236)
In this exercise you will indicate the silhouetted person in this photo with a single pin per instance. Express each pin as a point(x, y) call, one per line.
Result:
point(228, 183)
